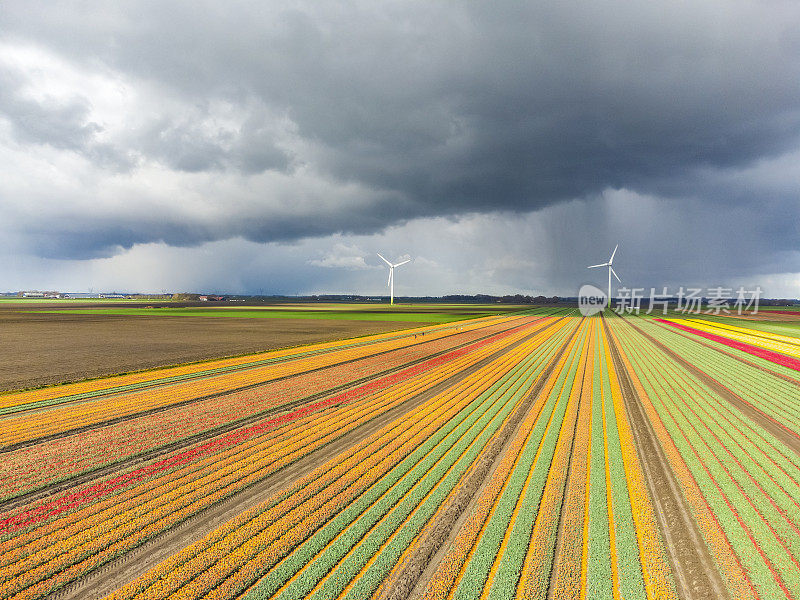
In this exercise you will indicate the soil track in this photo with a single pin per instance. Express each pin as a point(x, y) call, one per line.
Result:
point(696, 575)
point(775, 427)
point(44, 348)
point(420, 564)
point(131, 565)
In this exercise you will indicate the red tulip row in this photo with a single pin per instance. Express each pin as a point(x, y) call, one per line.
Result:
point(234, 554)
point(566, 513)
point(43, 558)
point(744, 500)
point(39, 424)
point(32, 467)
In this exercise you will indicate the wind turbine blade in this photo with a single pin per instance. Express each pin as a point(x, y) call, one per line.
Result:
point(610, 260)
point(389, 281)
point(402, 263)
point(615, 274)
point(595, 266)
point(383, 259)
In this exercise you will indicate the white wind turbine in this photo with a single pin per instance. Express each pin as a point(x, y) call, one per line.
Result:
point(610, 271)
point(390, 283)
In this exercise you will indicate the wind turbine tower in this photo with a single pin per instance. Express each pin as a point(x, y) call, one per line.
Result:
point(610, 271)
point(390, 283)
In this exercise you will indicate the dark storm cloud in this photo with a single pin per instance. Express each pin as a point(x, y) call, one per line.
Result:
point(422, 108)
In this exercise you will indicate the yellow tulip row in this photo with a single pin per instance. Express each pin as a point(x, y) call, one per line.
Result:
point(327, 488)
point(34, 466)
point(536, 569)
point(162, 509)
point(569, 573)
point(776, 337)
point(465, 392)
point(263, 536)
point(448, 574)
point(567, 506)
point(272, 439)
point(612, 524)
point(543, 355)
point(62, 418)
point(747, 336)
point(653, 558)
point(72, 544)
point(726, 560)
point(473, 387)
point(563, 434)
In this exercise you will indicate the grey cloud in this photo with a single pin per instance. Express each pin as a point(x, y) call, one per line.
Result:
point(60, 124)
point(255, 151)
point(183, 147)
point(183, 144)
point(439, 108)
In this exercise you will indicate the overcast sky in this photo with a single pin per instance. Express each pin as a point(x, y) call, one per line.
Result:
point(276, 146)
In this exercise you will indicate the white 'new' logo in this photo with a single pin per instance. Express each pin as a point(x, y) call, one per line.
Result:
point(591, 300)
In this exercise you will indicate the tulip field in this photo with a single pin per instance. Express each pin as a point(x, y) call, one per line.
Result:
point(528, 454)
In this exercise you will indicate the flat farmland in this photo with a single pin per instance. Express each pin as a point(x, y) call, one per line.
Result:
point(51, 343)
point(529, 454)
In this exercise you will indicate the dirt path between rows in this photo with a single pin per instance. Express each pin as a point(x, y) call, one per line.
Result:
point(775, 427)
point(131, 565)
point(437, 536)
point(693, 567)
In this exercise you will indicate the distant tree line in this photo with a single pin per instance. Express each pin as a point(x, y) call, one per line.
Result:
point(450, 298)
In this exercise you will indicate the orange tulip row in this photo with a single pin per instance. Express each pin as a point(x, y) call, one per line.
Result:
point(536, 569)
point(450, 570)
point(110, 383)
point(730, 567)
point(585, 384)
point(28, 468)
point(532, 351)
point(45, 557)
point(258, 540)
point(652, 555)
point(41, 423)
point(442, 370)
point(466, 392)
point(544, 354)
point(276, 437)
point(569, 573)
point(311, 500)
